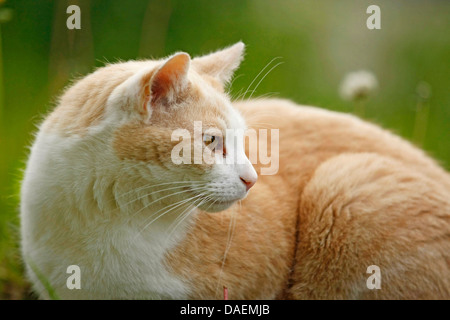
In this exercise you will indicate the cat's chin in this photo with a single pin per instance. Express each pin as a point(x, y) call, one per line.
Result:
point(218, 206)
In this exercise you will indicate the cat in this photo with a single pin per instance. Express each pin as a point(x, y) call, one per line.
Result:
point(101, 192)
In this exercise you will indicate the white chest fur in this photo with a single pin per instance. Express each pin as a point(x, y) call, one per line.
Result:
point(65, 221)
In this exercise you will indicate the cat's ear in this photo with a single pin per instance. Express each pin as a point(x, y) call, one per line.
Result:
point(221, 64)
point(168, 83)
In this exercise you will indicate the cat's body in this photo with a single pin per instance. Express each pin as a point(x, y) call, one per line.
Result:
point(347, 195)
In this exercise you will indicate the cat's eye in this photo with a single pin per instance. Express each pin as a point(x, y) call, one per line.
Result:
point(208, 140)
point(214, 143)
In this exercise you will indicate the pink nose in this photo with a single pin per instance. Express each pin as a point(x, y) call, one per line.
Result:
point(248, 183)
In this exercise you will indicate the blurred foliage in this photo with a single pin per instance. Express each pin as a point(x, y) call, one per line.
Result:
point(318, 41)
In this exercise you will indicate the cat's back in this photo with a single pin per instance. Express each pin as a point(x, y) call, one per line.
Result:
point(365, 197)
point(310, 135)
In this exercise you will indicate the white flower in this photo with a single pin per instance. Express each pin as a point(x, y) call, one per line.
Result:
point(423, 90)
point(358, 85)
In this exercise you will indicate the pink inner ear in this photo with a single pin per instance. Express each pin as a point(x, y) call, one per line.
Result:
point(171, 78)
point(146, 99)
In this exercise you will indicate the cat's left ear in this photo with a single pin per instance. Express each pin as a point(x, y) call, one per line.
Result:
point(170, 80)
point(221, 64)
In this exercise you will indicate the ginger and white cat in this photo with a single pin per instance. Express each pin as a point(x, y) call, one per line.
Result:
point(101, 192)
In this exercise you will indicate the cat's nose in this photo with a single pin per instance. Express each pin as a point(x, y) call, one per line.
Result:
point(249, 182)
point(248, 174)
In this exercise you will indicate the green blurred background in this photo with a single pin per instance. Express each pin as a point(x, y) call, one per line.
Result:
point(319, 41)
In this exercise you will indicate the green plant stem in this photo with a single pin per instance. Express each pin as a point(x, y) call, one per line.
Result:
point(421, 123)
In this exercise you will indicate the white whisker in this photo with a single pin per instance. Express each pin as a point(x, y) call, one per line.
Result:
point(167, 196)
point(186, 213)
point(230, 233)
point(264, 78)
point(156, 191)
point(262, 70)
point(174, 206)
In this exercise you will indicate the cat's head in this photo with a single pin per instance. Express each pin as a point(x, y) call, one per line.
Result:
point(158, 102)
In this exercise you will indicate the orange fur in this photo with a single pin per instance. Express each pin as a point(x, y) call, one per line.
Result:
point(348, 195)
